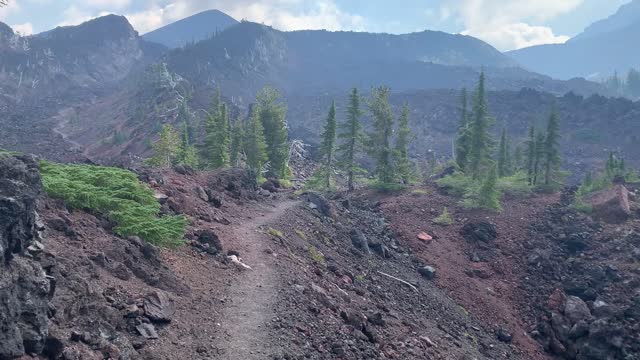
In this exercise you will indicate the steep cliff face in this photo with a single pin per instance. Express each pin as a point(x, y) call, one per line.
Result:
point(24, 287)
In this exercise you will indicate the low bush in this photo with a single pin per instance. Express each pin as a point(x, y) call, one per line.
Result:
point(116, 194)
point(444, 218)
point(458, 184)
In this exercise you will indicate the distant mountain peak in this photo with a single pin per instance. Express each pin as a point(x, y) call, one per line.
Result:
point(627, 15)
point(191, 29)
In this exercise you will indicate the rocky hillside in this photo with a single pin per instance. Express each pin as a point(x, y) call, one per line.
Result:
point(603, 48)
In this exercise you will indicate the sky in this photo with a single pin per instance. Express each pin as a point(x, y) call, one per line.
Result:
point(505, 24)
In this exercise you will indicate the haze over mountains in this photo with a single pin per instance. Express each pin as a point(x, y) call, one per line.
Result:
point(604, 47)
point(101, 80)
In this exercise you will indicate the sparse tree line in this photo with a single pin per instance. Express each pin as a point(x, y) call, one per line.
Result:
point(259, 142)
point(628, 85)
point(344, 143)
point(485, 170)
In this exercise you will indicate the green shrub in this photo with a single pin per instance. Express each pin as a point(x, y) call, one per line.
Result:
point(387, 187)
point(301, 234)
point(444, 218)
point(317, 256)
point(516, 185)
point(458, 184)
point(118, 195)
point(275, 233)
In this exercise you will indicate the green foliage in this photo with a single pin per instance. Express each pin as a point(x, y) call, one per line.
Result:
point(318, 181)
point(457, 184)
point(275, 233)
point(463, 140)
point(481, 141)
point(301, 234)
point(271, 113)
point(118, 195)
point(317, 256)
point(489, 194)
point(516, 185)
point(443, 219)
point(380, 138)
point(503, 155)
point(387, 187)
point(404, 167)
point(351, 139)
point(166, 149)
point(216, 142)
point(237, 143)
point(254, 143)
point(118, 138)
point(327, 148)
point(551, 149)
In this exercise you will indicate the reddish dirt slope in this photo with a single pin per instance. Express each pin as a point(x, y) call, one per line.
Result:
point(489, 286)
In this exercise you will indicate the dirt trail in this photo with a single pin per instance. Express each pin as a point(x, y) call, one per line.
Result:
point(249, 310)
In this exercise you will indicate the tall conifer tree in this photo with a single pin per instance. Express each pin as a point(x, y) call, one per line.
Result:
point(551, 147)
point(380, 138)
point(404, 168)
point(480, 139)
point(327, 149)
point(351, 138)
point(272, 115)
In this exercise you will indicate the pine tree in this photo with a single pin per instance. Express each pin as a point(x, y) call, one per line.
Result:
point(404, 167)
point(254, 143)
point(272, 115)
point(166, 149)
point(531, 155)
point(489, 196)
point(380, 138)
point(539, 158)
point(463, 140)
point(509, 166)
point(518, 158)
point(188, 154)
point(216, 143)
point(551, 148)
point(237, 143)
point(351, 138)
point(503, 153)
point(327, 149)
point(480, 139)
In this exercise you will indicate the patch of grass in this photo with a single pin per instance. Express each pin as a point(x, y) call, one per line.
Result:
point(118, 195)
point(275, 233)
point(580, 206)
point(444, 219)
point(301, 234)
point(387, 187)
point(360, 278)
point(317, 256)
point(419, 192)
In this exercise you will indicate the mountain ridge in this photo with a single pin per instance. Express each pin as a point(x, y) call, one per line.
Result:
point(194, 28)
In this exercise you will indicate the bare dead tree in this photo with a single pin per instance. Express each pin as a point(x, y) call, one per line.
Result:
point(4, 3)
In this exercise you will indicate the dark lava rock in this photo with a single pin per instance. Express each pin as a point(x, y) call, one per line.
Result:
point(428, 272)
point(209, 238)
point(323, 205)
point(158, 306)
point(479, 231)
point(147, 331)
point(575, 309)
point(24, 288)
point(359, 240)
point(504, 335)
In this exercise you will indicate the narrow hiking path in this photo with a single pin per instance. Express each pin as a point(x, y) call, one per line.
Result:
point(245, 316)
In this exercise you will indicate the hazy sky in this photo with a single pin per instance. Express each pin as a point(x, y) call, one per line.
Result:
point(506, 24)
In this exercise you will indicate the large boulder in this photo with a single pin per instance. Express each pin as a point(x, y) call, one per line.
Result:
point(324, 206)
point(611, 205)
point(576, 310)
point(24, 287)
point(479, 231)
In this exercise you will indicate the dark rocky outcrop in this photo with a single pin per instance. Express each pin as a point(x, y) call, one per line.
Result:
point(479, 231)
point(24, 286)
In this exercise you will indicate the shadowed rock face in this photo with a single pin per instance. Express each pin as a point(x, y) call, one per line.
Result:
point(24, 287)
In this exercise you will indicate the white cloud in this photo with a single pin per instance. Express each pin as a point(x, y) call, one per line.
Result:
point(281, 14)
point(11, 8)
point(23, 29)
point(508, 24)
point(107, 4)
point(74, 15)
